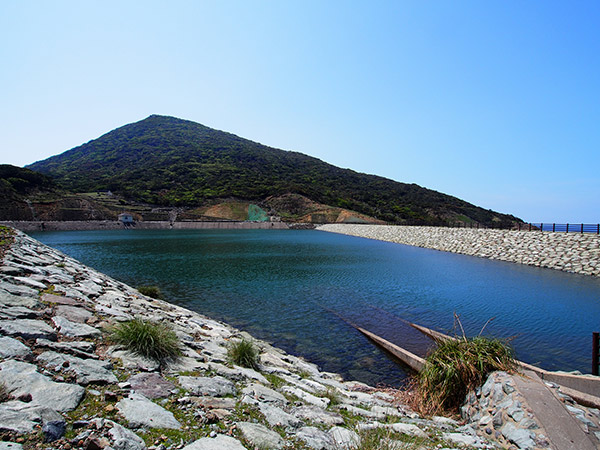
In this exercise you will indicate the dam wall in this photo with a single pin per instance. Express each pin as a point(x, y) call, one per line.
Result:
point(88, 225)
point(569, 252)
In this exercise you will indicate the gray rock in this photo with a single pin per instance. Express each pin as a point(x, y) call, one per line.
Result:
point(54, 430)
point(315, 438)
point(260, 436)
point(238, 373)
point(211, 386)
point(214, 402)
point(74, 329)
point(498, 420)
point(8, 299)
point(319, 402)
point(22, 378)
point(30, 282)
point(75, 347)
point(20, 417)
point(15, 421)
point(318, 415)
point(132, 361)
point(521, 438)
point(516, 412)
point(123, 438)
point(27, 329)
point(4, 445)
point(18, 312)
point(409, 429)
point(528, 424)
point(151, 385)
point(461, 439)
point(344, 438)
point(277, 416)
point(11, 270)
point(213, 350)
point(17, 289)
point(141, 412)
point(264, 394)
point(88, 288)
point(60, 300)
point(220, 442)
point(73, 313)
point(11, 348)
point(86, 370)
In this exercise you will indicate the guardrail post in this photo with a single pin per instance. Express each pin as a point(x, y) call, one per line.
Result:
point(581, 228)
point(553, 227)
point(567, 228)
point(596, 341)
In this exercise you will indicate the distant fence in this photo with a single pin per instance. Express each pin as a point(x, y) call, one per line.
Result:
point(592, 228)
point(595, 352)
point(562, 227)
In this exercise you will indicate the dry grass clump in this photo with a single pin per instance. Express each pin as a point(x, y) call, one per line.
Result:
point(152, 340)
point(457, 366)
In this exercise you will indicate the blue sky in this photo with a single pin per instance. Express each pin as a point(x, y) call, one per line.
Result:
point(494, 102)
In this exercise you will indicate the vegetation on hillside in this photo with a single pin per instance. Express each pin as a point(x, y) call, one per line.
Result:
point(173, 162)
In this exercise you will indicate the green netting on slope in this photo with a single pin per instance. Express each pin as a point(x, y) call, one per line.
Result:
point(257, 214)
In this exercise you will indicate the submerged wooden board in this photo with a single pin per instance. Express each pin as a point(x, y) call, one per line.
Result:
point(410, 359)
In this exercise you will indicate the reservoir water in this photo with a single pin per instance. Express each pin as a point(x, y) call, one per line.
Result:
point(300, 289)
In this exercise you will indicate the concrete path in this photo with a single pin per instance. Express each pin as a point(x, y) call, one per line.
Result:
point(563, 430)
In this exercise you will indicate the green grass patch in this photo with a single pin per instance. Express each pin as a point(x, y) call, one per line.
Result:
point(150, 291)
point(243, 353)
point(331, 394)
point(153, 340)
point(276, 381)
point(457, 366)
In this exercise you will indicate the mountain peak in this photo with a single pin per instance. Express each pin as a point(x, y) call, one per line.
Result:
point(168, 161)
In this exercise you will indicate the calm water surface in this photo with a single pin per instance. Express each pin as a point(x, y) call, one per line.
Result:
point(299, 289)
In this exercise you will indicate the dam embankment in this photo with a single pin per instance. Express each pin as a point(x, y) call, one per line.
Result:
point(569, 252)
point(89, 225)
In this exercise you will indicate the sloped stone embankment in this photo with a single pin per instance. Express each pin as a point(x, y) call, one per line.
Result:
point(569, 252)
point(65, 387)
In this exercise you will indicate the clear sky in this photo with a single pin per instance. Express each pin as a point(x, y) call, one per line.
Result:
point(494, 102)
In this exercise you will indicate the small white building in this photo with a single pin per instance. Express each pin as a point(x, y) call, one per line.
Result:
point(126, 218)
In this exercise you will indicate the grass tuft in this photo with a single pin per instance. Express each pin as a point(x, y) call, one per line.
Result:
point(4, 397)
point(150, 291)
point(243, 353)
point(150, 339)
point(457, 366)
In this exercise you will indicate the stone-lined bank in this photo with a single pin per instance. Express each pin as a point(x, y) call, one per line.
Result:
point(569, 252)
point(64, 387)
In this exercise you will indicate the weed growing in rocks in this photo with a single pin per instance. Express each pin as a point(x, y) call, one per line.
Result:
point(150, 339)
point(3, 393)
point(457, 366)
point(243, 353)
point(331, 394)
point(150, 291)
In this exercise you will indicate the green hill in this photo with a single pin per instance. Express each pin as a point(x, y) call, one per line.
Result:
point(167, 161)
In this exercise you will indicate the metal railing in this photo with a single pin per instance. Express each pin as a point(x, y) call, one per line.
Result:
point(564, 227)
point(589, 228)
point(595, 352)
